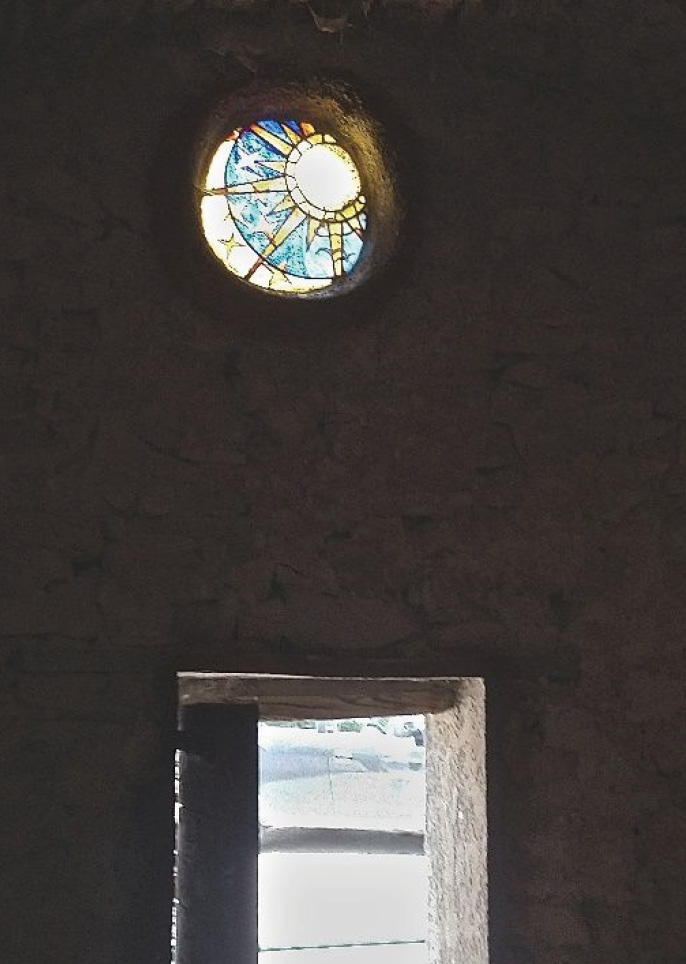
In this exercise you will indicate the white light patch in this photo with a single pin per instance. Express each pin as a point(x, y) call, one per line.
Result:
point(327, 176)
point(215, 173)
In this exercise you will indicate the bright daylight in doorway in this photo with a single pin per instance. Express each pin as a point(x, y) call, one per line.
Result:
point(282, 206)
point(342, 874)
point(343, 878)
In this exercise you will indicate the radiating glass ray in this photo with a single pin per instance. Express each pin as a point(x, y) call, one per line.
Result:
point(282, 146)
point(285, 204)
point(312, 227)
point(251, 187)
point(279, 166)
point(336, 239)
point(291, 134)
point(295, 218)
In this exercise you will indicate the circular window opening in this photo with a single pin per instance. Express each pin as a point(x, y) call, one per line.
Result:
point(283, 206)
point(295, 195)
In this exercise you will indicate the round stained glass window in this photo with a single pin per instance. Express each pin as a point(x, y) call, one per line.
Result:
point(283, 206)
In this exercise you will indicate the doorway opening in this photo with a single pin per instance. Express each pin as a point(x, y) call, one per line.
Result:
point(330, 821)
point(342, 868)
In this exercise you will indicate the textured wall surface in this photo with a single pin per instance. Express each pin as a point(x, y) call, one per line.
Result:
point(486, 474)
point(456, 838)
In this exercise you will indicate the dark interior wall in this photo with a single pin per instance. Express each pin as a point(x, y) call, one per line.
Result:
point(484, 475)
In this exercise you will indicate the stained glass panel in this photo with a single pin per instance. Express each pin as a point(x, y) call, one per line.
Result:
point(283, 208)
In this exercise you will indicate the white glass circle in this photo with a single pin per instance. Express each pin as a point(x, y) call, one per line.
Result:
point(327, 176)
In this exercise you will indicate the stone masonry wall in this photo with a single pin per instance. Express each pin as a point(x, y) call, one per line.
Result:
point(484, 476)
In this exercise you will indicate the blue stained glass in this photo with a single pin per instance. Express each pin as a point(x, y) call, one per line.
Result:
point(319, 263)
point(294, 214)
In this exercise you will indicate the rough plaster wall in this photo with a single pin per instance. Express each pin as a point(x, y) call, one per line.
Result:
point(456, 829)
point(86, 807)
point(488, 473)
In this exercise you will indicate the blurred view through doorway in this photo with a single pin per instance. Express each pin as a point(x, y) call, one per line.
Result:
point(342, 874)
